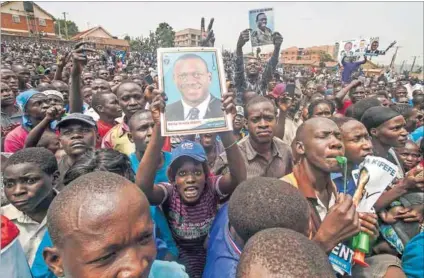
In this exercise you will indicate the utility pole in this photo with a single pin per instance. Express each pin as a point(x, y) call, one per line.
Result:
point(413, 63)
point(401, 67)
point(58, 27)
point(66, 25)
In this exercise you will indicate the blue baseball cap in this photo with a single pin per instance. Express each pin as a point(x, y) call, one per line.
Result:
point(190, 149)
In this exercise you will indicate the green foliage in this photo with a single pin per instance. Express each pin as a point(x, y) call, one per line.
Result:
point(325, 57)
point(163, 37)
point(72, 28)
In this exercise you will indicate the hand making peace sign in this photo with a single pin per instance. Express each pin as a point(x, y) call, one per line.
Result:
point(207, 38)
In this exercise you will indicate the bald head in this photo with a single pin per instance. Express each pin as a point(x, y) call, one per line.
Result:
point(282, 252)
point(310, 125)
point(89, 202)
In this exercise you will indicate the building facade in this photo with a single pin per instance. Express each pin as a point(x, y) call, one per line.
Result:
point(187, 37)
point(26, 20)
point(306, 54)
point(101, 38)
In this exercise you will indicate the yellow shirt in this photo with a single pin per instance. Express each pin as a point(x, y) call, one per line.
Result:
point(117, 139)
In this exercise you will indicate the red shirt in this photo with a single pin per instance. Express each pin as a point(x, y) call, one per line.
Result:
point(102, 129)
point(15, 140)
point(346, 105)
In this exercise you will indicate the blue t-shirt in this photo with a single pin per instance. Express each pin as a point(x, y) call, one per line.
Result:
point(161, 175)
point(417, 134)
point(223, 254)
point(350, 184)
point(162, 228)
point(413, 257)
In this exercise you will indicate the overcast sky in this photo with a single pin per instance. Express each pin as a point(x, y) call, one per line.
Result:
point(302, 24)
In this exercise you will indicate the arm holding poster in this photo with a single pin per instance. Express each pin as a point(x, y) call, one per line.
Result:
point(375, 174)
point(273, 61)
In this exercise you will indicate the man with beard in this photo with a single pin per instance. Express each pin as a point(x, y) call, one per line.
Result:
point(193, 79)
point(11, 79)
point(24, 77)
point(252, 81)
point(263, 153)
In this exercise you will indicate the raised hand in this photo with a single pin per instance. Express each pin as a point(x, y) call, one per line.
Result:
point(284, 103)
point(64, 60)
point(277, 39)
point(207, 38)
point(158, 103)
point(79, 57)
point(54, 113)
point(228, 103)
point(243, 38)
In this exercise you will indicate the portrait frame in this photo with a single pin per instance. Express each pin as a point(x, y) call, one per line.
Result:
point(269, 12)
point(172, 125)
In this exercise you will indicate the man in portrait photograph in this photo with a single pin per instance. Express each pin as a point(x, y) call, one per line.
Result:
point(193, 79)
point(347, 51)
point(362, 46)
point(262, 35)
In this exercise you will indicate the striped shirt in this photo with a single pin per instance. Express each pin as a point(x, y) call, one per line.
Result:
point(190, 224)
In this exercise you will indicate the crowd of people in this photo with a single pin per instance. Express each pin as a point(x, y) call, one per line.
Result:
point(90, 188)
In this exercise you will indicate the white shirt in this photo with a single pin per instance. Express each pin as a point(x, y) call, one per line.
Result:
point(30, 232)
point(321, 209)
point(410, 89)
point(203, 107)
point(93, 114)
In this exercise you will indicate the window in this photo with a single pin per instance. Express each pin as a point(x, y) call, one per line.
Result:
point(42, 21)
point(193, 37)
point(16, 18)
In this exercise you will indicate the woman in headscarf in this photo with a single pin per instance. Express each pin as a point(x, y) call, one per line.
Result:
point(36, 111)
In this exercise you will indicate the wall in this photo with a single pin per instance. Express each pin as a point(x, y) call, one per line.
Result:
point(17, 8)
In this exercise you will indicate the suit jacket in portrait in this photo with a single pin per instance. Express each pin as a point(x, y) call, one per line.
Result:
point(175, 111)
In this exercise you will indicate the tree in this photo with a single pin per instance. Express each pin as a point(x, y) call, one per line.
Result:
point(325, 57)
point(72, 28)
point(164, 35)
point(419, 70)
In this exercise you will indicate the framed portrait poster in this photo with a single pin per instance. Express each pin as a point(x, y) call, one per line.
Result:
point(193, 79)
point(261, 22)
